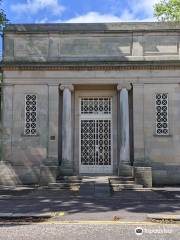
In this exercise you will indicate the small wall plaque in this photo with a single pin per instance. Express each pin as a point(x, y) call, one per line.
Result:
point(52, 138)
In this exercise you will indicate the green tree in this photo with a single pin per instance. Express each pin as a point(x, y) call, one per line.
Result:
point(167, 10)
point(3, 18)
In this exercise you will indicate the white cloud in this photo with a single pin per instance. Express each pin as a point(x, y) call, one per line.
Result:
point(43, 20)
point(34, 6)
point(133, 12)
point(95, 17)
point(145, 6)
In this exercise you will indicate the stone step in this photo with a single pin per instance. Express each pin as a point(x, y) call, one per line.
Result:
point(87, 188)
point(126, 184)
point(65, 185)
point(120, 187)
point(121, 178)
point(133, 189)
point(102, 190)
point(69, 178)
point(96, 186)
point(121, 181)
point(68, 181)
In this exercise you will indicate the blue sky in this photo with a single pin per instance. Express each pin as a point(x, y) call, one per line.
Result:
point(44, 11)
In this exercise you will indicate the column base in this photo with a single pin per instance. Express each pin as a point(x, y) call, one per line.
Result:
point(141, 162)
point(143, 175)
point(66, 169)
point(125, 170)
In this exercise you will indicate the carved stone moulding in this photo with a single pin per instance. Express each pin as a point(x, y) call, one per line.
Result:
point(88, 67)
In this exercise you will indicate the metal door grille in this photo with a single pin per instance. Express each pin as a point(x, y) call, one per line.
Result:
point(96, 135)
point(96, 142)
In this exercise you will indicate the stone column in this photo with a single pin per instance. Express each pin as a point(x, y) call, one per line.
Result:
point(124, 152)
point(67, 163)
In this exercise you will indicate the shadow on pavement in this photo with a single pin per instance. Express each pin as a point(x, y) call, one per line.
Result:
point(125, 205)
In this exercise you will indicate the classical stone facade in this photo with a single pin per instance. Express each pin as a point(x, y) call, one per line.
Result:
point(84, 99)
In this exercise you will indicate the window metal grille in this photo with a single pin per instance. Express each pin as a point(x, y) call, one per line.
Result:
point(30, 115)
point(162, 125)
point(96, 105)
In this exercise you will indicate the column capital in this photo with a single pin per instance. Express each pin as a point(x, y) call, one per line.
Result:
point(68, 86)
point(124, 85)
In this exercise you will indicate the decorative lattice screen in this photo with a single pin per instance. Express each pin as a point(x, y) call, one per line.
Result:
point(96, 143)
point(30, 128)
point(162, 127)
point(96, 106)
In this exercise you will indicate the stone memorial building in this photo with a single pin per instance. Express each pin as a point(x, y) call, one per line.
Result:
point(90, 99)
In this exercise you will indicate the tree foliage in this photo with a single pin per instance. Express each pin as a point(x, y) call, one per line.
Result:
point(167, 10)
point(3, 18)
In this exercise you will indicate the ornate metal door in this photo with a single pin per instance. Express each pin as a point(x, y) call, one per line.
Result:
point(96, 135)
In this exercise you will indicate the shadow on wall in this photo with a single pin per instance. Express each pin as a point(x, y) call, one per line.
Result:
point(26, 175)
point(45, 48)
point(165, 175)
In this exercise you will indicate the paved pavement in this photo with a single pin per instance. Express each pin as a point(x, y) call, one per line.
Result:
point(89, 232)
point(69, 206)
point(89, 214)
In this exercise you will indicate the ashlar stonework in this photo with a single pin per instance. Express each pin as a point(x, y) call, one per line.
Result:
point(91, 99)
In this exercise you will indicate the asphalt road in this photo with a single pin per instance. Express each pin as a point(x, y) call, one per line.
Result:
point(102, 231)
point(130, 205)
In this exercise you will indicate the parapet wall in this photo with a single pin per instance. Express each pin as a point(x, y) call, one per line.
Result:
point(108, 42)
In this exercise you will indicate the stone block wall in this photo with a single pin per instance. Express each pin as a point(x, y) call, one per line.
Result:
point(140, 54)
point(162, 153)
point(54, 43)
point(27, 156)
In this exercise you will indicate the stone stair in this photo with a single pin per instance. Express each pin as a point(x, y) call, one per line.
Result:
point(87, 186)
point(97, 186)
point(124, 181)
point(67, 183)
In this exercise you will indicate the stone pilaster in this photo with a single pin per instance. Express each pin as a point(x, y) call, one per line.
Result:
point(53, 124)
point(67, 161)
point(49, 168)
point(138, 122)
point(7, 121)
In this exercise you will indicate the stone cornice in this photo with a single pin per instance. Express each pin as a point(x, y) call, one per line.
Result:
point(90, 66)
point(74, 28)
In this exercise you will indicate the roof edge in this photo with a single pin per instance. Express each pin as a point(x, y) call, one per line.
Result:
point(93, 27)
